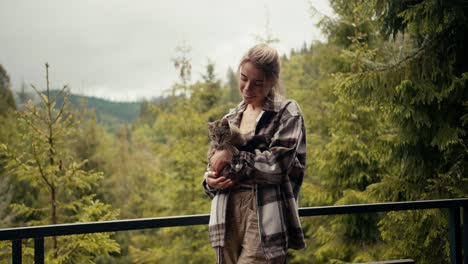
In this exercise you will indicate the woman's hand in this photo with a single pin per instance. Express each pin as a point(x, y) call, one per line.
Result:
point(220, 159)
point(217, 182)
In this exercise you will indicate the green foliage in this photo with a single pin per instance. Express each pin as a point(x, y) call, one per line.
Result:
point(109, 113)
point(6, 96)
point(183, 63)
point(63, 191)
point(385, 108)
point(179, 143)
point(421, 96)
point(231, 92)
point(420, 235)
point(396, 128)
point(175, 245)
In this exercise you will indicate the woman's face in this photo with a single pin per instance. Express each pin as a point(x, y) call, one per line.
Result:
point(253, 85)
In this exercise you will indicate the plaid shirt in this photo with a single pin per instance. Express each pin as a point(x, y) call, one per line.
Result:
point(274, 160)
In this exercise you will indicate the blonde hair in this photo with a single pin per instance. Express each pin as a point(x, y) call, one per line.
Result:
point(267, 59)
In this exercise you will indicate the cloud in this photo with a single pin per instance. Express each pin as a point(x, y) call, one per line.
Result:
point(122, 49)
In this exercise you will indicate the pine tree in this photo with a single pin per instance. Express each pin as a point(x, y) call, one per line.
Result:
point(180, 142)
point(268, 38)
point(209, 91)
point(183, 64)
point(231, 88)
point(347, 156)
point(64, 191)
point(421, 91)
point(24, 95)
point(7, 100)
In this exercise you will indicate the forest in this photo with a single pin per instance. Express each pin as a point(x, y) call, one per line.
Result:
point(385, 101)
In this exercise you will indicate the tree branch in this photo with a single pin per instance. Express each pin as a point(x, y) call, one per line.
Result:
point(41, 170)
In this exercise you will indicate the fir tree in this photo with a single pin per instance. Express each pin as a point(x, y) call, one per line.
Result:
point(6, 96)
point(422, 94)
point(64, 191)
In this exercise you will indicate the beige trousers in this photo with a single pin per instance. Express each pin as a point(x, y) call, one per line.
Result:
point(243, 243)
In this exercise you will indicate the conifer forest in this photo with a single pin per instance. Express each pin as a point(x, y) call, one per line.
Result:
point(385, 102)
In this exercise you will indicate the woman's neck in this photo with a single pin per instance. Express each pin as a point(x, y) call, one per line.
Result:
point(254, 108)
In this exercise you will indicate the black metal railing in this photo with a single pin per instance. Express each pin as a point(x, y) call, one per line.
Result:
point(39, 232)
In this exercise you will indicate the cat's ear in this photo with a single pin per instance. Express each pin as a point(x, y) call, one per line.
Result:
point(210, 124)
point(225, 121)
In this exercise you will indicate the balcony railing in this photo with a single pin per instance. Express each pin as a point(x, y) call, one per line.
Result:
point(39, 232)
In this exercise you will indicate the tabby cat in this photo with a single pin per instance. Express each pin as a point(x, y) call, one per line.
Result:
point(224, 136)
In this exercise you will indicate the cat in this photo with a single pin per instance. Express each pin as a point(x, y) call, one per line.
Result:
point(224, 136)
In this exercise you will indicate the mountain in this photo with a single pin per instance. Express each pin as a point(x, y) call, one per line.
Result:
point(110, 113)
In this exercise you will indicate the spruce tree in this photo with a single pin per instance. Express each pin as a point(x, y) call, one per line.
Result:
point(64, 191)
point(7, 101)
point(422, 91)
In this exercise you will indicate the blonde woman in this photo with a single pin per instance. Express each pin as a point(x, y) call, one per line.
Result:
point(254, 213)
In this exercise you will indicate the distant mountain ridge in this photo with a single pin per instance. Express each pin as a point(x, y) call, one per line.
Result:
point(107, 112)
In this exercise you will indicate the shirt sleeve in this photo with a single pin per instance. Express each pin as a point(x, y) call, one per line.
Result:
point(211, 192)
point(271, 165)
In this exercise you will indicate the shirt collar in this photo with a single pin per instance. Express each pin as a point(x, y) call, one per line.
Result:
point(271, 104)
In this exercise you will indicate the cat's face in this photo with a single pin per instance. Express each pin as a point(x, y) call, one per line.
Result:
point(219, 130)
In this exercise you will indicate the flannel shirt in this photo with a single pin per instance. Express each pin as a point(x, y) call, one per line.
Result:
point(274, 161)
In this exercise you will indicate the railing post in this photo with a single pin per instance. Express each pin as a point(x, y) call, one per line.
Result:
point(39, 250)
point(465, 234)
point(454, 235)
point(16, 251)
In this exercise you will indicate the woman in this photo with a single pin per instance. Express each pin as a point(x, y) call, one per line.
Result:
point(254, 217)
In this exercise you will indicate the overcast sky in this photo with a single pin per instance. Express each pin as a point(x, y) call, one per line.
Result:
point(122, 50)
